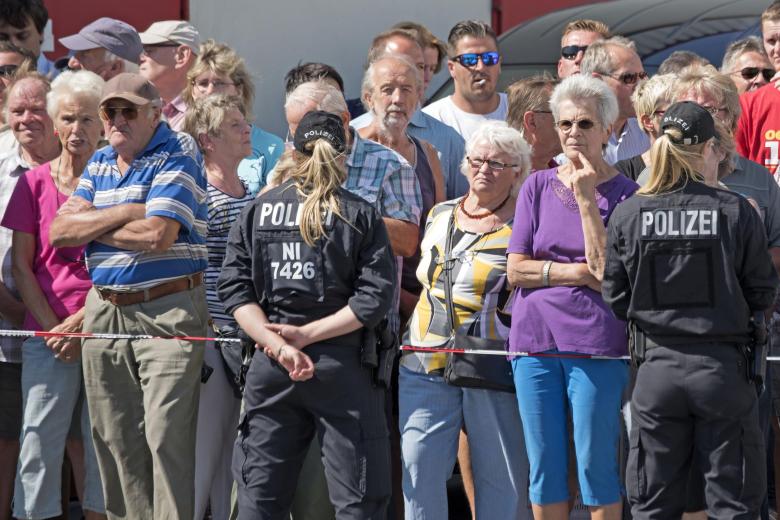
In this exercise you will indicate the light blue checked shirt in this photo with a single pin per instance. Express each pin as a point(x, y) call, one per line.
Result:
point(631, 142)
point(448, 143)
point(384, 179)
point(387, 181)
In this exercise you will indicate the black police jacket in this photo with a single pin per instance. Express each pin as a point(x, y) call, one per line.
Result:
point(267, 262)
point(688, 266)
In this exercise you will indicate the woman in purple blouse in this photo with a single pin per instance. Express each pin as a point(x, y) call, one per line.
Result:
point(556, 259)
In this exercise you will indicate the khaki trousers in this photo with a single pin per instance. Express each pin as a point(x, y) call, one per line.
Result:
point(143, 402)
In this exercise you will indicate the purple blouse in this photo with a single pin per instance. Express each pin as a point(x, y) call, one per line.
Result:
point(547, 226)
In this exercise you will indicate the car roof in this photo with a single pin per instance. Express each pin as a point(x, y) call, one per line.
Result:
point(658, 27)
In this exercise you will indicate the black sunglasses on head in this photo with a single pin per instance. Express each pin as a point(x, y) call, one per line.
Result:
point(470, 59)
point(570, 51)
point(749, 73)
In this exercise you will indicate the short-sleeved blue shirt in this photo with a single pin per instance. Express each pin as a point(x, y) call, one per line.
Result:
point(168, 176)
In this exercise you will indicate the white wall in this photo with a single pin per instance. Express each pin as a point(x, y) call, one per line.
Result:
point(274, 35)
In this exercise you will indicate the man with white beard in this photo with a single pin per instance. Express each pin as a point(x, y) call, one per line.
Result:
point(391, 92)
point(449, 145)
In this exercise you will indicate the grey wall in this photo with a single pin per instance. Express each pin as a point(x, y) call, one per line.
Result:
point(274, 35)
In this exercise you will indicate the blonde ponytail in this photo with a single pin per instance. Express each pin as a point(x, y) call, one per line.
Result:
point(317, 178)
point(672, 165)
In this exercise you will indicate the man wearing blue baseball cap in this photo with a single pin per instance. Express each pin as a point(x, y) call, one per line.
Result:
point(103, 47)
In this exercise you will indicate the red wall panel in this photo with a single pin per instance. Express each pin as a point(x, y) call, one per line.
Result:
point(68, 16)
point(508, 13)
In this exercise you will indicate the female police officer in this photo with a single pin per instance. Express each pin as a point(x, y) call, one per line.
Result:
point(687, 264)
point(315, 260)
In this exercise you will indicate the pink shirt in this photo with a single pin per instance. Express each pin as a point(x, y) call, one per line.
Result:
point(60, 271)
point(174, 112)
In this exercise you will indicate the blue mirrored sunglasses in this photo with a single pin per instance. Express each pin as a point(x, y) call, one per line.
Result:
point(471, 59)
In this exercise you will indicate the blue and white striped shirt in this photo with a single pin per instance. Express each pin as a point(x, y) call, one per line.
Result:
point(168, 177)
point(631, 142)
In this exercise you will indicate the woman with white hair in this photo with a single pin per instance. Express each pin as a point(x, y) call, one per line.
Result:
point(53, 283)
point(431, 411)
point(556, 258)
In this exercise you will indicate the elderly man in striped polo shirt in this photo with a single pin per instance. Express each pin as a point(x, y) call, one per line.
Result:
point(141, 209)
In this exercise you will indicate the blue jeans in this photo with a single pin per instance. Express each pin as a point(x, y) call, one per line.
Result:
point(50, 389)
point(431, 414)
point(547, 390)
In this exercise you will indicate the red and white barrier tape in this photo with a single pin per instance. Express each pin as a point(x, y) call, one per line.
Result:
point(407, 348)
point(411, 348)
point(100, 335)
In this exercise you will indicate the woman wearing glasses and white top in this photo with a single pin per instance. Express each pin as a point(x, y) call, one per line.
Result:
point(53, 282)
point(432, 412)
point(556, 258)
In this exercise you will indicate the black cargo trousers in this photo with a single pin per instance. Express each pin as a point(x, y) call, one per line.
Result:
point(693, 404)
point(342, 407)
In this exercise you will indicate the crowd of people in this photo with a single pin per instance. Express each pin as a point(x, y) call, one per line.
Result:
point(562, 225)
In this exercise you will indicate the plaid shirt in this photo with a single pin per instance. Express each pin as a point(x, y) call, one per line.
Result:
point(384, 179)
point(387, 181)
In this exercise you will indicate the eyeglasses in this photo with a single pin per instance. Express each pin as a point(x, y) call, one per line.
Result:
point(629, 78)
point(496, 166)
point(471, 59)
point(153, 46)
point(570, 51)
point(203, 84)
point(714, 110)
point(565, 125)
point(109, 113)
point(749, 73)
point(6, 71)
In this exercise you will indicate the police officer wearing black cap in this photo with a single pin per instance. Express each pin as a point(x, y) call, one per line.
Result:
point(308, 272)
point(687, 266)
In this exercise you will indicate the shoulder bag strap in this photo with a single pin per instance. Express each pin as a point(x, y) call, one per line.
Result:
point(448, 265)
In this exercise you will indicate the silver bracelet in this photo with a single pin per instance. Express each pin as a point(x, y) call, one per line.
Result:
point(546, 273)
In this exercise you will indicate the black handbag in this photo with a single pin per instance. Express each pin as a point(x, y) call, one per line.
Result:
point(491, 372)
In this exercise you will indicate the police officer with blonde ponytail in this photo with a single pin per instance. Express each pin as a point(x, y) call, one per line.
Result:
point(308, 271)
point(687, 266)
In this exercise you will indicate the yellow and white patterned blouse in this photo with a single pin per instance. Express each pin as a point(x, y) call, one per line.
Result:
point(480, 289)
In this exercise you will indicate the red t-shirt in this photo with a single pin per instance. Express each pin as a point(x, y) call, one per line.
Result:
point(758, 129)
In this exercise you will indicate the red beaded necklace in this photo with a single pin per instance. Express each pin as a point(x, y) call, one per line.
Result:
point(480, 216)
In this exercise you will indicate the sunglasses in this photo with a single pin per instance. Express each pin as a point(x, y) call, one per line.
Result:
point(109, 113)
point(570, 51)
point(749, 73)
point(583, 124)
point(471, 59)
point(496, 166)
point(629, 78)
point(152, 46)
point(714, 111)
point(6, 71)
